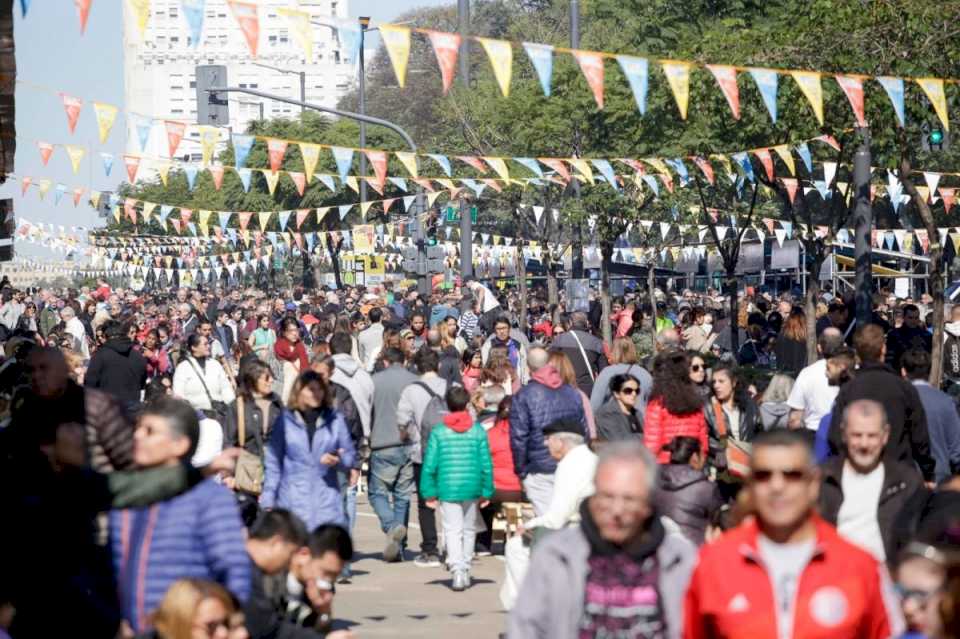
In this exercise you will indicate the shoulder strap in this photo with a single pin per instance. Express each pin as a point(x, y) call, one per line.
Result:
point(719, 421)
point(241, 421)
point(202, 380)
point(584, 354)
point(425, 387)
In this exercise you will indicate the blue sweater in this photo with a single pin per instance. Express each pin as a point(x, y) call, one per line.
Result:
point(196, 534)
point(943, 424)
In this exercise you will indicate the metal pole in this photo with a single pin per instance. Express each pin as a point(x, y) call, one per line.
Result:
point(466, 240)
point(463, 21)
point(863, 221)
point(363, 110)
point(577, 247)
point(303, 91)
point(261, 111)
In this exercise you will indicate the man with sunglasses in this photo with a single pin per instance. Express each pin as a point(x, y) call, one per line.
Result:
point(786, 572)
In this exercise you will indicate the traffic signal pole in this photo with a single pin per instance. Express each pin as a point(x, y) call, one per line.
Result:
point(466, 221)
point(863, 222)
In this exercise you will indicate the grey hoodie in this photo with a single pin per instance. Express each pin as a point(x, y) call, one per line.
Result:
point(388, 385)
point(358, 383)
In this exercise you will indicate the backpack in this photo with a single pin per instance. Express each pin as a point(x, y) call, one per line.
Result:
point(951, 357)
point(434, 413)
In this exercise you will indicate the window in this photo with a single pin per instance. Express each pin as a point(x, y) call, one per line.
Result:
point(193, 84)
point(174, 12)
point(272, 39)
point(253, 85)
point(176, 111)
point(336, 57)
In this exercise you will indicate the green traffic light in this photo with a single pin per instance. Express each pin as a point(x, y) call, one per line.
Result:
point(936, 136)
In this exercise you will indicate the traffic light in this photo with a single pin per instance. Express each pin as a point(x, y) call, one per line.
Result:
point(934, 137)
point(212, 107)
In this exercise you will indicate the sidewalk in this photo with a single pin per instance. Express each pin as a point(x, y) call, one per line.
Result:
point(402, 600)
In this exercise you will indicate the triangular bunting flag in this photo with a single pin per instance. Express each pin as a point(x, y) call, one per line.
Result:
point(276, 149)
point(933, 87)
point(245, 13)
point(310, 154)
point(809, 83)
point(678, 77)
point(397, 42)
point(637, 71)
point(591, 64)
point(766, 80)
point(726, 77)
point(853, 86)
point(894, 89)
point(132, 163)
point(175, 133)
point(446, 46)
point(72, 106)
point(500, 53)
point(541, 57)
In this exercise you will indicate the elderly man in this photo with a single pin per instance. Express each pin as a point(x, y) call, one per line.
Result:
point(786, 572)
point(861, 493)
point(619, 573)
point(75, 329)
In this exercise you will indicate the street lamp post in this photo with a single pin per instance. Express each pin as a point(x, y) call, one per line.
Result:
point(303, 80)
point(362, 87)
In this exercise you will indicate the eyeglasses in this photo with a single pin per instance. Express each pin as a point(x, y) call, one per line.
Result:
point(696, 368)
point(629, 390)
point(763, 475)
point(920, 597)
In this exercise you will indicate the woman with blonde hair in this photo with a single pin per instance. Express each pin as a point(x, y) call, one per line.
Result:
point(774, 411)
point(569, 376)
point(196, 609)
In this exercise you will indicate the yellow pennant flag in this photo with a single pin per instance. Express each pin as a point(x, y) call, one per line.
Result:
point(163, 169)
point(264, 218)
point(272, 177)
point(409, 161)
point(148, 209)
point(310, 153)
point(809, 83)
point(364, 207)
point(322, 213)
point(678, 76)
point(141, 13)
point(584, 167)
point(500, 53)
point(397, 42)
point(203, 229)
point(76, 154)
point(204, 217)
point(432, 197)
point(44, 186)
point(116, 214)
point(784, 152)
point(95, 198)
point(933, 87)
point(498, 165)
point(353, 184)
point(209, 136)
point(106, 116)
point(299, 22)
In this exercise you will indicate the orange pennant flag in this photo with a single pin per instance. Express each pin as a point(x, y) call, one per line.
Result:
point(77, 194)
point(46, 150)
point(558, 166)
point(853, 87)
point(245, 13)
point(276, 149)
point(133, 165)
point(83, 12)
point(766, 160)
point(301, 216)
point(379, 161)
point(375, 184)
point(591, 64)
point(216, 172)
point(72, 106)
point(446, 46)
point(299, 180)
point(25, 184)
point(175, 133)
point(726, 77)
point(706, 167)
point(791, 186)
point(473, 161)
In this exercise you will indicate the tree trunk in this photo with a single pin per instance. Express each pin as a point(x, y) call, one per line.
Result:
point(522, 286)
point(651, 294)
point(810, 306)
point(730, 290)
point(605, 259)
point(334, 250)
point(553, 294)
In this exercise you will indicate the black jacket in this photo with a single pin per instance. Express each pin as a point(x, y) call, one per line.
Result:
point(118, 369)
point(263, 614)
point(902, 339)
point(596, 360)
point(909, 439)
point(450, 366)
point(791, 355)
point(688, 498)
point(256, 432)
point(901, 485)
point(613, 424)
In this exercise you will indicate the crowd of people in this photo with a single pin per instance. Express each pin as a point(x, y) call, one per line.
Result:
point(188, 463)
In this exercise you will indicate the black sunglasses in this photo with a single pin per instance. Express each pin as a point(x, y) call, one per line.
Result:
point(696, 368)
point(763, 475)
point(629, 390)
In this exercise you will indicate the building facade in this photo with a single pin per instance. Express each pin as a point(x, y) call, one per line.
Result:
point(159, 67)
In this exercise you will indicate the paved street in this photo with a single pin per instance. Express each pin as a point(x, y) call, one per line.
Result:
point(402, 600)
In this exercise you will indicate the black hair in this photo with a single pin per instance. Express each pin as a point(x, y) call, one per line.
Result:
point(468, 355)
point(182, 418)
point(287, 323)
point(916, 362)
point(457, 398)
point(156, 389)
point(250, 373)
point(375, 315)
point(113, 329)
point(426, 360)
point(279, 521)
point(503, 408)
point(330, 538)
point(502, 319)
point(784, 437)
point(682, 449)
point(393, 356)
point(617, 382)
point(341, 343)
point(193, 339)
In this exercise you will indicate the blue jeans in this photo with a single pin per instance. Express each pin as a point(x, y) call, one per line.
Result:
point(349, 494)
point(391, 476)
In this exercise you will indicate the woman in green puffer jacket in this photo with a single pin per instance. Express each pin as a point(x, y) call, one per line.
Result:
point(458, 473)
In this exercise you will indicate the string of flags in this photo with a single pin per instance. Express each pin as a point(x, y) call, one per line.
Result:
point(636, 69)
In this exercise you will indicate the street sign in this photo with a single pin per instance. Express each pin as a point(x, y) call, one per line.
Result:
point(436, 265)
point(452, 214)
point(409, 253)
point(409, 266)
point(435, 252)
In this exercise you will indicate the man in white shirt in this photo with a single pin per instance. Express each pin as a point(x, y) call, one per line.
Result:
point(861, 493)
point(75, 329)
point(812, 395)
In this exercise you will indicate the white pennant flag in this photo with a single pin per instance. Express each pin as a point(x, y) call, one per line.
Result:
point(556, 216)
point(932, 180)
point(829, 172)
point(537, 213)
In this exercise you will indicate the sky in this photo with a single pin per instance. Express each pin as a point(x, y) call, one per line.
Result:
point(52, 57)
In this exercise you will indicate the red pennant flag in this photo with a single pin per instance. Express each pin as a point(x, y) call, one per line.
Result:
point(830, 141)
point(25, 184)
point(301, 216)
point(83, 12)
point(558, 166)
point(388, 203)
point(175, 133)
point(591, 64)
point(948, 198)
point(276, 149)
point(764, 156)
point(475, 162)
point(379, 161)
point(427, 184)
point(667, 180)
point(853, 87)
point(791, 186)
point(299, 180)
point(769, 224)
point(727, 79)
point(216, 172)
point(374, 184)
point(128, 208)
point(446, 46)
point(72, 106)
point(636, 165)
point(245, 13)
point(133, 165)
point(46, 150)
point(244, 219)
point(707, 169)
point(77, 194)
point(185, 215)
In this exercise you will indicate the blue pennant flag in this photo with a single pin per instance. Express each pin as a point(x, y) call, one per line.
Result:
point(24, 7)
point(165, 210)
point(241, 149)
point(821, 186)
point(272, 236)
point(107, 163)
point(224, 219)
point(232, 232)
point(58, 193)
point(344, 159)
point(327, 181)
point(114, 200)
point(531, 164)
point(443, 161)
point(399, 182)
point(606, 170)
point(541, 56)
point(193, 13)
point(894, 89)
point(344, 210)
point(804, 152)
point(767, 83)
point(637, 72)
point(739, 184)
point(143, 125)
point(283, 216)
point(475, 186)
point(652, 183)
point(311, 240)
point(680, 168)
point(349, 33)
point(744, 161)
point(191, 172)
point(245, 179)
point(192, 227)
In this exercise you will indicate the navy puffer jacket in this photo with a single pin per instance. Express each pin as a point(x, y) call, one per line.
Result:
point(538, 404)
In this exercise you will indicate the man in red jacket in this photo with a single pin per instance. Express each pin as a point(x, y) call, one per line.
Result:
point(787, 573)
